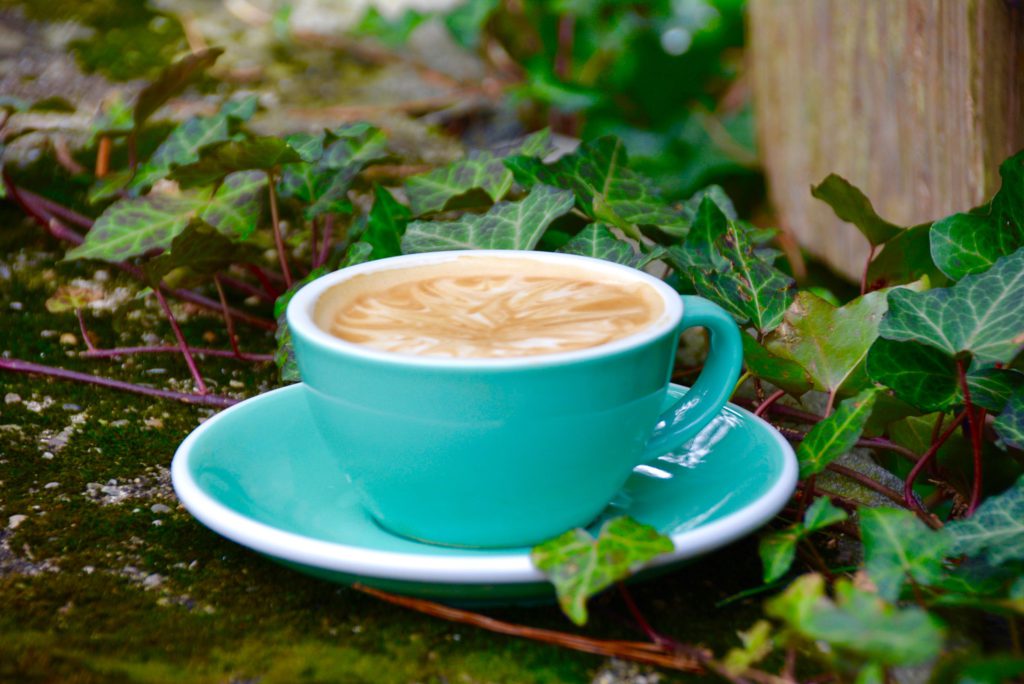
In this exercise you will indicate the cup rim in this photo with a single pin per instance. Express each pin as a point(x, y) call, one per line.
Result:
point(299, 313)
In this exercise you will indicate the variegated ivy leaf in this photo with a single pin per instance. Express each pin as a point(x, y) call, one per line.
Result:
point(1010, 423)
point(235, 208)
point(242, 108)
point(507, 225)
point(135, 226)
point(836, 435)
point(309, 146)
point(982, 314)
point(481, 170)
point(898, 547)
point(850, 205)
point(962, 244)
point(831, 343)
point(598, 241)
point(580, 566)
point(69, 298)
point(995, 531)
point(606, 189)
point(717, 194)
point(718, 260)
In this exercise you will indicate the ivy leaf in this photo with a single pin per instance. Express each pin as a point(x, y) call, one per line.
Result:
point(1009, 425)
point(284, 355)
point(599, 242)
point(850, 205)
point(718, 260)
point(240, 109)
point(778, 549)
point(430, 192)
point(857, 622)
point(356, 144)
point(134, 226)
point(782, 373)
point(717, 195)
point(309, 146)
point(580, 566)
point(757, 644)
point(358, 253)
point(467, 20)
point(507, 225)
point(219, 160)
point(996, 530)
point(332, 187)
point(385, 224)
point(981, 314)
point(606, 188)
point(200, 248)
point(836, 435)
point(962, 244)
point(905, 258)
point(898, 547)
point(831, 343)
point(235, 208)
point(172, 81)
point(928, 379)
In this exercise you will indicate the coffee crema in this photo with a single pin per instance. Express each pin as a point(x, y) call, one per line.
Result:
point(483, 307)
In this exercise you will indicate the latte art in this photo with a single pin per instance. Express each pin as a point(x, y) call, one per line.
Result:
point(494, 315)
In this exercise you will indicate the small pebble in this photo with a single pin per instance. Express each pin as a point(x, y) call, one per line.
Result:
point(17, 306)
point(71, 407)
point(88, 569)
point(12, 398)
point(48, 455)
point(158, 523)
point(15, 520)
point(101, 276)
point(51, 485)
point(157, 423)
point(160, 508)
point(209, 336)
point(68, 339)
point(48, 334)
point(237, 384)
point(153, 581)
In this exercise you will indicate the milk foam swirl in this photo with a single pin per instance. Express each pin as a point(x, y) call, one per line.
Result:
point(494, 316)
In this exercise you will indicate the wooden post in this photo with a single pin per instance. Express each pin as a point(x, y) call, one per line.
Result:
point(914, 101)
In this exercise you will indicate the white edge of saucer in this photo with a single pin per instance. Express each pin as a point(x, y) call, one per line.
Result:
point(511, 568)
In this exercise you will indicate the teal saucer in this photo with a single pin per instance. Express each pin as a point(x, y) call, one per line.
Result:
point(260, 475)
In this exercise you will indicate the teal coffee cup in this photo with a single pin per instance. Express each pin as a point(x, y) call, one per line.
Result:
point(526, 439)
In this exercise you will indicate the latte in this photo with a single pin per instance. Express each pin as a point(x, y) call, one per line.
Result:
point(487, 307)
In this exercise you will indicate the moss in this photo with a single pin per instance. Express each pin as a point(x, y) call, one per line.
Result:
point(218, 612)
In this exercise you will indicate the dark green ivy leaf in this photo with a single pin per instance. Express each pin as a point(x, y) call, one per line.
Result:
point(782, 373)
point(507, 225)
point(1010, 423)
point(356, 144)
point(962, 244)
point(309, 146)
point(905, 258)
point(580, 566)
point(385, 224)
point(982, 314)
point(850, 205)
point(430, 192)
point(181, 147)
point(235, 208)
point(996, 530)
point(836, 435)
point(898, 547)
point(927, 378)
point(171, 82)
point(217, 161)
point(200, 248)
point(606, 188)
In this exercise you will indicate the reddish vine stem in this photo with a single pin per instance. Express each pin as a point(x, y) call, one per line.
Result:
point(268, 286)
point(19, 366)
point(325, 241)
point(28, 202)
point(654, 635)
point(975, 420)
point(632, 650)
point(228, 323)
point(767, 403)
point(313, 249)
point(926, 458)
point(868, 482)
point(182, 345)
point(864, 275)
point(168, 349)
point(85, 333)
point(246, 288)
point(278, 240)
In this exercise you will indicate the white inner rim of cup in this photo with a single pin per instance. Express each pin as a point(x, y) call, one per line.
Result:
point(301, 309)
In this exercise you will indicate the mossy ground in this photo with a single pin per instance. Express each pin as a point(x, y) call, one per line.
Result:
point(97, 586)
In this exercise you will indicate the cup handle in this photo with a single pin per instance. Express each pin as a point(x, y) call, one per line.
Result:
point(714, 385)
